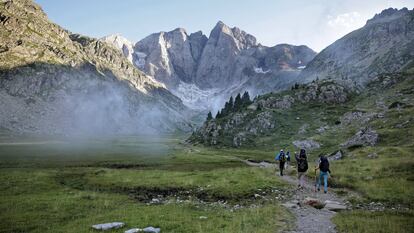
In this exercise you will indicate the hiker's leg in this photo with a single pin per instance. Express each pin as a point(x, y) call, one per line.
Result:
point(319, 180)
point(302, 178)
point(325, 181)
point(281, 166)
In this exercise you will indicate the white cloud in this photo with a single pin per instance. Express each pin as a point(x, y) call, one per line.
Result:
point(347, 20)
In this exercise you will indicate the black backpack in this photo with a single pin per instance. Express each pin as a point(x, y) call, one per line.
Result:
point(324, 164)
point(303, 161)
point(282, 157)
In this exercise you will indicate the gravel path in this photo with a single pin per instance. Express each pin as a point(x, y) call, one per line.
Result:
point(308, 219)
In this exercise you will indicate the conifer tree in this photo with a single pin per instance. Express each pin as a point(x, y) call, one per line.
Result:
point(246, 99)
point(218, 115)
point(238, 104)
point(209, 116)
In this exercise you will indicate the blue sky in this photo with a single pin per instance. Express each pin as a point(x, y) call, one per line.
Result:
point(315, 23)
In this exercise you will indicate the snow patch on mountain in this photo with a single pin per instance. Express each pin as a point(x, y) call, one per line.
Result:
point(196, 98)
point(259, 70)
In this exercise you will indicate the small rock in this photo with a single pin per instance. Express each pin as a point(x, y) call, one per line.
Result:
point(256, 195)
point(155, 201)
point(336, 155)
point(108, 226)
point(291, 204)
point(134, 230)
point(202, 217)
point(373, 156)
point(152, 230)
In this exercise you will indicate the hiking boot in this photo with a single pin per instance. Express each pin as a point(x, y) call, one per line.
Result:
point(319, 189)
point(325, 192)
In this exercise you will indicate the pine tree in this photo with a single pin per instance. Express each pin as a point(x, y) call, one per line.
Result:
point(231, 105)
point(259, 107)
point(238, 103)
point(218, 115)
point(209, 116)
point(246, 99)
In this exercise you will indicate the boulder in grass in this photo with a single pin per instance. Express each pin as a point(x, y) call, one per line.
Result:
point(108, 226)
point(306, 144)
point(134, 230)
point(337, 155)
point(152, 230)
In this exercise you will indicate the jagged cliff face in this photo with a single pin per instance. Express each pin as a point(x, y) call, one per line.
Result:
point(384, 44)
point(170, 57)
point(204, 71)
point(55, 82)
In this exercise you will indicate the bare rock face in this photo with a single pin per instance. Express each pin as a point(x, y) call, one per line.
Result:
point(364, 137)
point(383, 45)
point(170, 56)
point(220, 53)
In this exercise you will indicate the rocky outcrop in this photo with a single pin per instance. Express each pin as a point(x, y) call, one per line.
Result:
point(122, 44)
point(364, 137)
point(306, 144)
point(325, 92)
point(383, 45)
point(284, 102)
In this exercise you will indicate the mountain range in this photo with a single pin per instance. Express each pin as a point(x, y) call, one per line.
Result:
point(57, 82)
point(227, 62)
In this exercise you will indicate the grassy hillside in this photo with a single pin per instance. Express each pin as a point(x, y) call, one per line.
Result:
point(380, 174)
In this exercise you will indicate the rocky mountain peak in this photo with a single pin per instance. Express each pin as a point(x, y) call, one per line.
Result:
point(242, 39)
point(388, 15)
point(120, 43)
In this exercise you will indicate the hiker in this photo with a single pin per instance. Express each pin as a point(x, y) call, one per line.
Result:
point(287, 160)
point(324, 172)
point(302, 162)
point(282, 160)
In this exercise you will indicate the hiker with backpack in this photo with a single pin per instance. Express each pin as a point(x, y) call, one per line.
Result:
point(287, 160)
point(281, 157)
point(324, 172)
point(302, 162)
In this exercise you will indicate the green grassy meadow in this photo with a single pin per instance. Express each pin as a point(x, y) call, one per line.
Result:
point(45, 188)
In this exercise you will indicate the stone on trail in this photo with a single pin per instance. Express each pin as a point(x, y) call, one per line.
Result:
point(291, 204)
point(152, 230)
point(313, 202)
point(334, 206)
point(108, 226)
